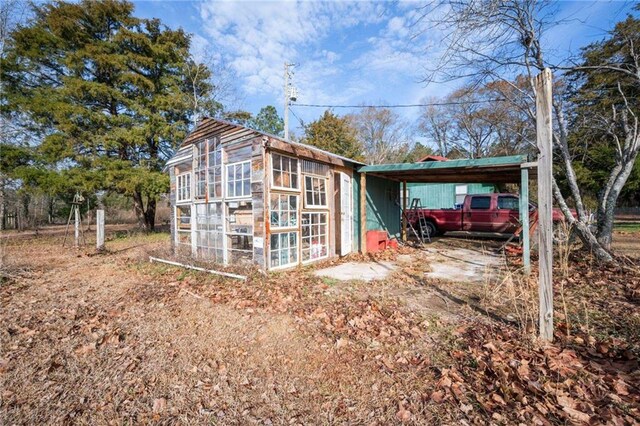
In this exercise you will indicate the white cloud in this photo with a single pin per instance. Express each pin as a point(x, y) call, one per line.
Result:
point(258, 37)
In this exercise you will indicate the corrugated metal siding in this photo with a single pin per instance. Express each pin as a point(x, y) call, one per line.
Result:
point(442, 195)
point(383, 210)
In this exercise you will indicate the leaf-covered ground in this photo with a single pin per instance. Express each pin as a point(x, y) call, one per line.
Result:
point(111, 339)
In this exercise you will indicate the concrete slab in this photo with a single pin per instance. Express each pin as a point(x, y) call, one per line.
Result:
point(464, 265)
point(358, 271)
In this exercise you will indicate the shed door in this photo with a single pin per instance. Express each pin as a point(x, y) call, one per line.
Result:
point(346, 215)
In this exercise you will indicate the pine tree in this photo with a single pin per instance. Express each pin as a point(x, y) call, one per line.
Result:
point(334, 134)
point(268, 121)
point(108, 91)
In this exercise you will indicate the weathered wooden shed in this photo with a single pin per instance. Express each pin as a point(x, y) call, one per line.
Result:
point(242, 196)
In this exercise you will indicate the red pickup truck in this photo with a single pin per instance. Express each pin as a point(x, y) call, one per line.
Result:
point(479, 213)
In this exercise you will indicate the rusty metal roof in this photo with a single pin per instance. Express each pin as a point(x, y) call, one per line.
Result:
point(231, 132)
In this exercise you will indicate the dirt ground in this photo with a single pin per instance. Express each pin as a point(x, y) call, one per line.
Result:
point(110, 338)
point(627, 243)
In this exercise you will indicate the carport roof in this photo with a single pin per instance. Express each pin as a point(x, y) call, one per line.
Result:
point(480, 170)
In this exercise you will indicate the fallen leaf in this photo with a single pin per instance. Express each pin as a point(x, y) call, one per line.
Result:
point(159, 405)
point(577, 415)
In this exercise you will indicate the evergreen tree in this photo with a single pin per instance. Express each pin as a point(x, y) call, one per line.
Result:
point(268, 121)
point(107, 90)
point(334, 134)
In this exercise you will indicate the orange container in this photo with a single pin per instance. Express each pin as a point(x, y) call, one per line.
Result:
point(376, 241)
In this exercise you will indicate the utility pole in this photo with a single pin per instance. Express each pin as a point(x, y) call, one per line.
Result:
point(290, 95)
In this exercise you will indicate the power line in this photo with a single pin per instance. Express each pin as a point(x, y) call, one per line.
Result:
point(402, 105)
point(299, 119)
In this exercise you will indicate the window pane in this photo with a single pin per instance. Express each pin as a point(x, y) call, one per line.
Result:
point(480, 203)
point(508, 203)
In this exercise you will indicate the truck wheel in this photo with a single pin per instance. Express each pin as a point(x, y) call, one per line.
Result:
point(430, 229)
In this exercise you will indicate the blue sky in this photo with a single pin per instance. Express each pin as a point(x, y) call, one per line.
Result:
point(346, 52)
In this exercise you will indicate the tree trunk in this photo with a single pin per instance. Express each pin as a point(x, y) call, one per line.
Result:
point(25, 200)
point(3, 203)
point(138, 207)
point(606, 214)
point(50, 207)
point(146, 216)
point(150, 215)
point(582, 229)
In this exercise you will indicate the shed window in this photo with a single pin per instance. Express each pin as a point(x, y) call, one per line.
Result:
point(183, 225)
point(315, 191)
point(314, 236)
point(284, 249)
point(239, 180)
point(284, 171)
point(215, 169)
point(314, 168)
point(508, 203)
point(200, 170)
point(183, 187)
point(284, 210)
point(209, 232)
point(239, 231)
point(480, 203)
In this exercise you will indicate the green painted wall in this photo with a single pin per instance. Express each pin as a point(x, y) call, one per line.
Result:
point(383, 209)
point(442, 195)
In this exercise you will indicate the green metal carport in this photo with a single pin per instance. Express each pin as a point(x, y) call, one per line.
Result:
point(378, 211)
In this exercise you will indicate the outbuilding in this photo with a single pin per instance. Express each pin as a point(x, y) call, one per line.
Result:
point(240, 196)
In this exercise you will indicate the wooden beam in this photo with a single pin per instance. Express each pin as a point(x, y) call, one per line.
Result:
point(463, 176)
point(363, 213)
point(543, 83)
point(404, 209)
point(524, 220)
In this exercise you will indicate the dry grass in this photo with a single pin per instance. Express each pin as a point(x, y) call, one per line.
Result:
point(111, 339)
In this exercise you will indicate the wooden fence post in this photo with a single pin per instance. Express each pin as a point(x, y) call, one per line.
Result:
point(524, 220)
point(100, 229)
point(543, 83)
point(404, 211)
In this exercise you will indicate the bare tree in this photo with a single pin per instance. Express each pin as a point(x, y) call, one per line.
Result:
point(206, 75)
point(493, 40)
point(476, 123)
point(436, 124)
point(384, 136)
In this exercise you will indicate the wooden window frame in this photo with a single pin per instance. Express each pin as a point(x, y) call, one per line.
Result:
point(326, 235)
point(296, 211)
point(297, 173)
point(297, 249)
point(324, 206)
point(180, 188)
point(234, 180)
